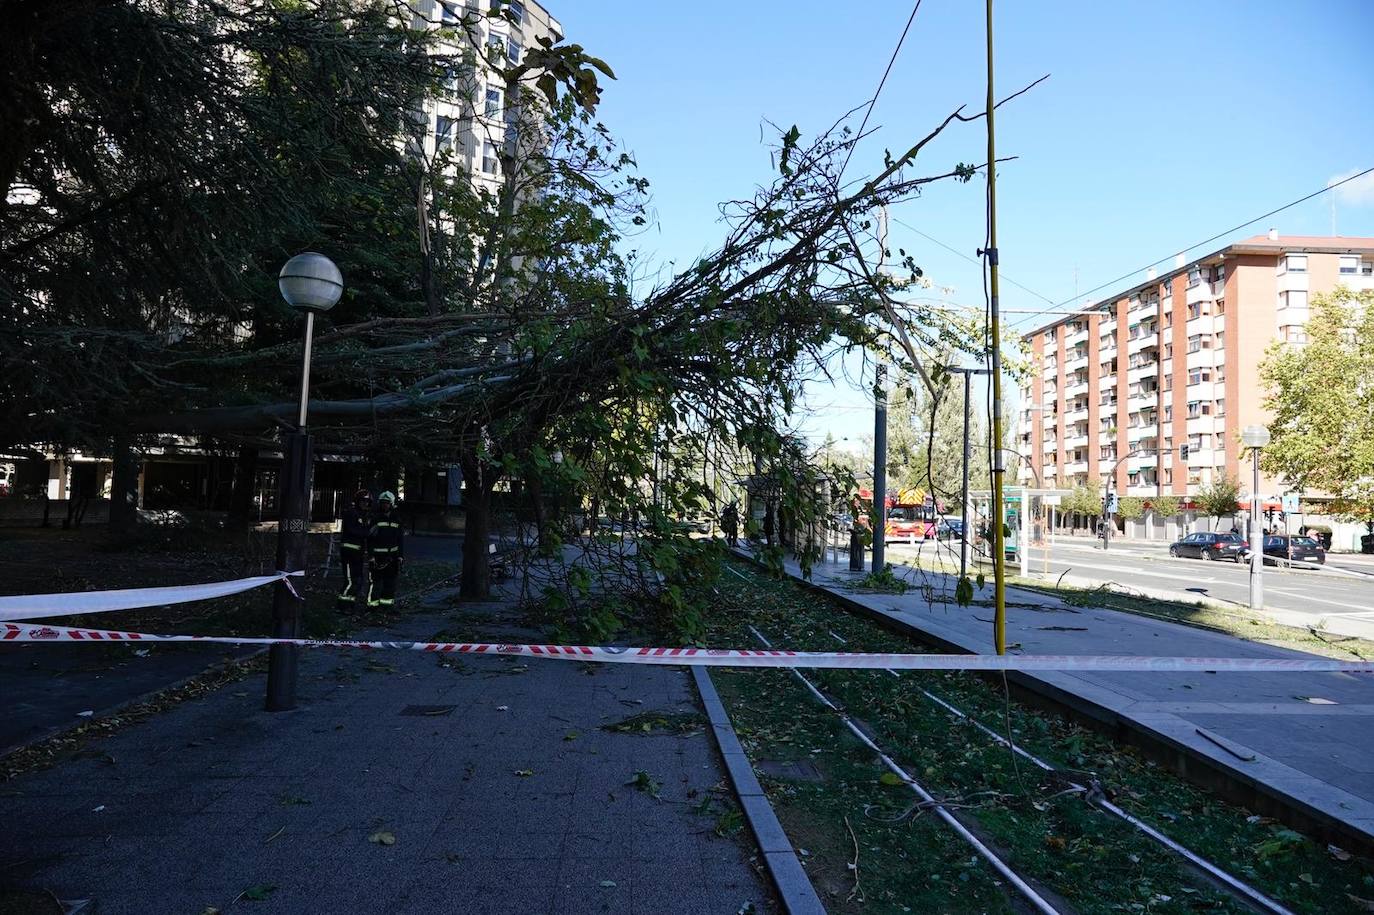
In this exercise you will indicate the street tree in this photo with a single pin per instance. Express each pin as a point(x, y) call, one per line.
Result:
point(1319, 396)
point(1219, 498)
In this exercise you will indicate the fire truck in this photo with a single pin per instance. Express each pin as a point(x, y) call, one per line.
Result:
point(911, 515)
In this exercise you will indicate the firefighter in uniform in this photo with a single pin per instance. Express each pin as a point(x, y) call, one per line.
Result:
point(357, 518)
point(385, 549)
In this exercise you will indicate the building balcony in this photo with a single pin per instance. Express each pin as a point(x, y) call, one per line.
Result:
point(1049, 419)
point(1137, 434)
point(1075, 467)
point(1137, 402)
point(1202, 292)
point(1077, 412)
point(1144, 490)
point(1142, 460)
point(1077, 337)
point(1106, 327)
point(1104, 382)
point(1076, 441)
point(1141, 372)
point(1076, 390)
point(1203, 358)
point(1075, 364)
point(1141, 343)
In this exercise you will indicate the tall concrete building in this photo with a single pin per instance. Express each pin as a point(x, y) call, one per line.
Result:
point(1152, 387)
point(471, 118)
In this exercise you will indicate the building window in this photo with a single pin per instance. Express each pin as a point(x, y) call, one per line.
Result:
point(1294, 334)
point(1198, 342)
point(1168, 412)
point(513, 49)
point(449, 15)
point(1293, 298)
point(1350, 264)
point(444, 131)
point(1295, 263)
point(515, 11)
point(490, 164)
point(1194, 277)
point(1198, 376)
point(1221, 407)
point(493, 106)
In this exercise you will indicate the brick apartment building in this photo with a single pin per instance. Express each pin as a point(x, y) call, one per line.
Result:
point(1123, 386)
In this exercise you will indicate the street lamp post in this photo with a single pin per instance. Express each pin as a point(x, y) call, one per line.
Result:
point(311, 283)
point(1256, 438)
point(968, 374)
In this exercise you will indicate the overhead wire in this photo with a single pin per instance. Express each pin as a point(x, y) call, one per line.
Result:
point(879, 91)
point(1206, 241)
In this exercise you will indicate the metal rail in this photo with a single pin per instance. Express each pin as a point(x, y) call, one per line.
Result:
point(1025, 889)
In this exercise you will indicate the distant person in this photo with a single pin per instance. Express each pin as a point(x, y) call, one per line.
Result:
point(357, 518)
point(385, 550)
point(729, 522)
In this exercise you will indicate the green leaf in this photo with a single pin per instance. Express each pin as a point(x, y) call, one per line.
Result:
point(891, 778)
point(259, 892)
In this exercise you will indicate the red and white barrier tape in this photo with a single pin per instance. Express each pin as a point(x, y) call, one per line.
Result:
point(11, 633)
point(42, 606)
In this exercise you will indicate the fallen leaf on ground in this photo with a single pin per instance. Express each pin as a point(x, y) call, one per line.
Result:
point(1340, 854)
point(571, 735)
point(608, 884)
point(524, 773)
point(891, 778)
point(503, 708)
point(259, 893)
point(382, 838)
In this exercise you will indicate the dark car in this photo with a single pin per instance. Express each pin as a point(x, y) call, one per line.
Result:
point(950, 529)
point(1303, 549)
point(1210, 545)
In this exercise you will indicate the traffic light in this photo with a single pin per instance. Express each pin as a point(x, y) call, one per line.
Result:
point(1183, 451)
point(1113, 504)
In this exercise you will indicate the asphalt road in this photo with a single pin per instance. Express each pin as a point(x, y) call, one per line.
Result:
point(1344, 590)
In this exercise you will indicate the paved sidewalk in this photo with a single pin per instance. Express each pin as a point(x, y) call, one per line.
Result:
point(1316, 758)
point(492, 777)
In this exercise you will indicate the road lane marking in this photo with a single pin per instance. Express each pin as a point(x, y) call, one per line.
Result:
point(1356, 608)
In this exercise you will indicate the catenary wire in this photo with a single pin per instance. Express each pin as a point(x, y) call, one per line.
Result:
point(1206, 241)
point(873, 101)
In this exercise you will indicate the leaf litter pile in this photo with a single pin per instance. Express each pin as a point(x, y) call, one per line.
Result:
point(868, 846)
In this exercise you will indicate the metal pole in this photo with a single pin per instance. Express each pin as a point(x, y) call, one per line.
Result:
point(305, 369)
point(1256, 540)
point(293, 521)
point(963, 499)
point(999, 560)
point(879, 520)
point(283, 660)
point(1025, 534)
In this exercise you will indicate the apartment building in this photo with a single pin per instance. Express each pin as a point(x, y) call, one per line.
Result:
point(1151, 387)
point(471, 120)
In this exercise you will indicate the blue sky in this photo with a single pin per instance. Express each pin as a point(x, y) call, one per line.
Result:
point(1162, 123)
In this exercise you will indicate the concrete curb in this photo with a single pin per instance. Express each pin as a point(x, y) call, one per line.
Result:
point(793, 886)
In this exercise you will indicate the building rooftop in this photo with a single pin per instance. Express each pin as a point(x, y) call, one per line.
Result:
point(1270, 243)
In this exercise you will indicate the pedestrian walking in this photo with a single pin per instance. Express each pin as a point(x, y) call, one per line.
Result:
point(729, 523)
point(386, 552)
point(357, 518)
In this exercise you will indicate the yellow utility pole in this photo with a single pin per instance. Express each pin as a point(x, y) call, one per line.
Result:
point(995, 358)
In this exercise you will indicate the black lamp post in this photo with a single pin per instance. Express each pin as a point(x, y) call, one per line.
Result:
point(310, 283)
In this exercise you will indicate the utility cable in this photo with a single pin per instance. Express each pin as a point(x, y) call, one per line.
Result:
point(877, 92)
point(1205, 241)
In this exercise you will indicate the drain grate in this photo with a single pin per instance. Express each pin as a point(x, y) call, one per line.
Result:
point(430, 710)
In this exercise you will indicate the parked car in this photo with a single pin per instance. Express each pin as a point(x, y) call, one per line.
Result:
point(1211, 545)
point(950, 529)
point(1304, 549)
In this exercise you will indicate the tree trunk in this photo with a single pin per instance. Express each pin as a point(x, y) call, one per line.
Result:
point(475, 583)
point(244, 484)
point(124, 486)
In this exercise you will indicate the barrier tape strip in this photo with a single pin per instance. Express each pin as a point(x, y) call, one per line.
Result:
point(730, 657)
point(42, 606)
